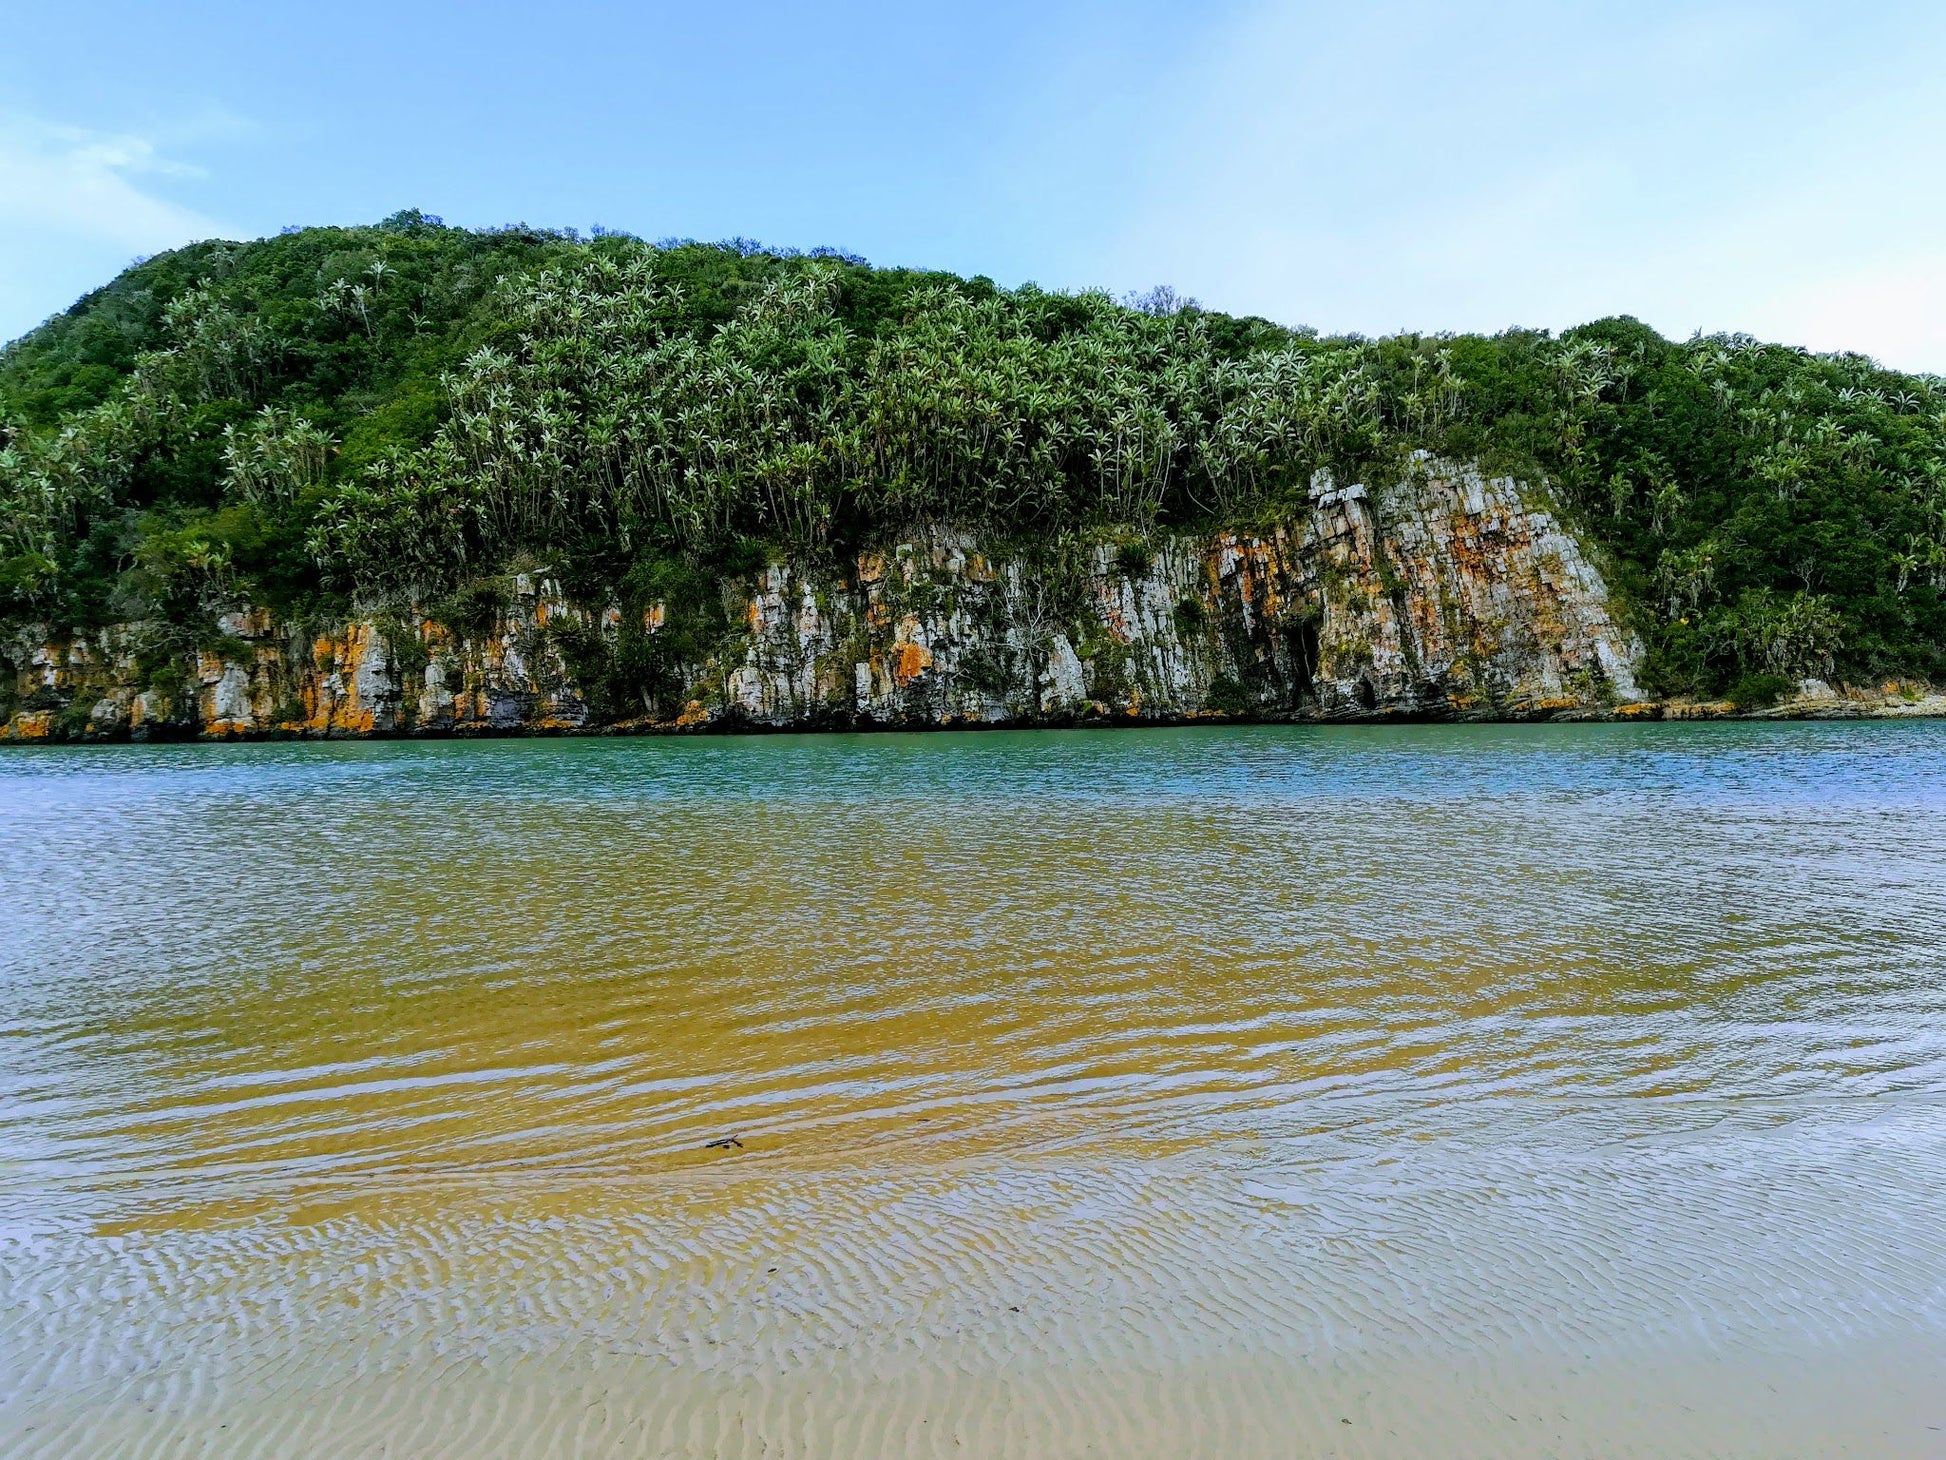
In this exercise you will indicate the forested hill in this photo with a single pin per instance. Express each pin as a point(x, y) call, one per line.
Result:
point(408, 410)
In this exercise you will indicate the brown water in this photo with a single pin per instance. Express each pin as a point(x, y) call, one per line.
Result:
point(1454, 1091)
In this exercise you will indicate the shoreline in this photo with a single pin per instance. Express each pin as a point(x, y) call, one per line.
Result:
point(29, 728)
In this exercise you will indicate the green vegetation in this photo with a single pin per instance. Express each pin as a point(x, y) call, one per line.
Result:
point(1759, 691)
point(406, 410)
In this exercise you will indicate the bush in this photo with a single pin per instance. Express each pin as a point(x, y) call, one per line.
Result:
point(1227, 697)
point(1134, 557)
point(1759, 690)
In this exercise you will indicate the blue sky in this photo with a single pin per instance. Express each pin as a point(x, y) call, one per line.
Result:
point(1774, 168)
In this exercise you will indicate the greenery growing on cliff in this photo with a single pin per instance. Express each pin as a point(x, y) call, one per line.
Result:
point(394, 411)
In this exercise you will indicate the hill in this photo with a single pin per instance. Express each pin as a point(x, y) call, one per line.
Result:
point(332, 420)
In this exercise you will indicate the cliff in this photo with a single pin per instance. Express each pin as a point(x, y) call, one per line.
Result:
point(1446, 593)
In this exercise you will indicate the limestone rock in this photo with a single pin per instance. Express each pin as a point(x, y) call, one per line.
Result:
point(1445, 593)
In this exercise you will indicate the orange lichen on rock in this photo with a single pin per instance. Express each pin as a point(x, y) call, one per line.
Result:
point(316, 694)
point(30, 725)
point(332, 698)
point(909, 661)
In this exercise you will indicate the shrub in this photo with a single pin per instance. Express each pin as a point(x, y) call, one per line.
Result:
point(1134, 557)
point(1759, 690)
point(1228, 697)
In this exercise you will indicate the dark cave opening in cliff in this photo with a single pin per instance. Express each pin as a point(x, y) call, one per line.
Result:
point(1301, 643)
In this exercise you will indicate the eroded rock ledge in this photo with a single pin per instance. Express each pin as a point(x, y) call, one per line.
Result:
point(1447, 593)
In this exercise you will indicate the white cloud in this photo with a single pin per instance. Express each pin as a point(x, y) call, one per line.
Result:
point(1408, 165)
point(91, 185)
point(1894, 311)
point(75, 205)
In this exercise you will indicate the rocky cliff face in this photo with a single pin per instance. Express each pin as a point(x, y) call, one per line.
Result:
point(1446, 593)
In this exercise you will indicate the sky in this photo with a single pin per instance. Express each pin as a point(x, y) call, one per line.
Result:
point(1777, 169)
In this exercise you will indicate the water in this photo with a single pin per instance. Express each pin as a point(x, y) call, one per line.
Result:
point(1515, 1090)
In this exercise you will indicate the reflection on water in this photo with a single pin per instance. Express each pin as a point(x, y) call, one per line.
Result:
point(1514, 1090)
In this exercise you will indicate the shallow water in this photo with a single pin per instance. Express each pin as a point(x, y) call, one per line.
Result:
point(1511, 1090)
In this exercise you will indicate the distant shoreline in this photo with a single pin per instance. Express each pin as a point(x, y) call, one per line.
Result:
point(38, 728)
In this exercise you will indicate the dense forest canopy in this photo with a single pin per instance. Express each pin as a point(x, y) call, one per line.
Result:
point(408, 409)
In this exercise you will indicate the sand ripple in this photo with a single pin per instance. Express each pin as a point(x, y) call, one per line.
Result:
point(1432, 1092)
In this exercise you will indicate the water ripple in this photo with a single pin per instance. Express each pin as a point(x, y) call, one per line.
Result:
point(1483, 1090)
